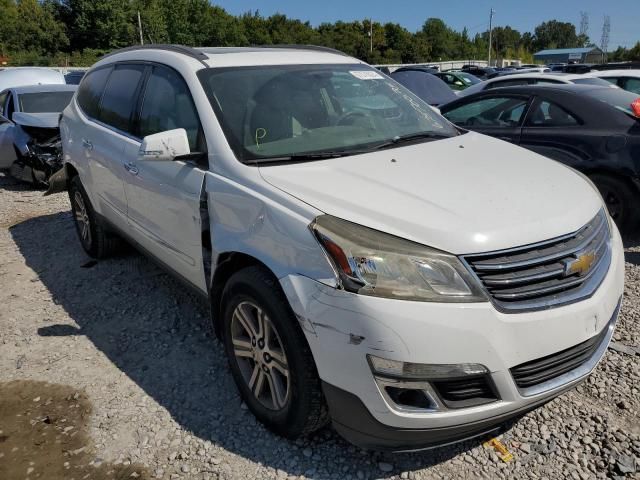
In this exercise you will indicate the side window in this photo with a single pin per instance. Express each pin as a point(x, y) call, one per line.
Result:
point(3, 98)
point(119, 99)
point(10, 107)
point(90, 91)
point(632, 84)
point(167, 105)
point(489, 112)
point(548, 114)
point(545, 81)
point(613, 80)
point(508, 83)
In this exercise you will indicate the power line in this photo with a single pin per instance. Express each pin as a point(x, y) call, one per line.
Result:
point(584, 23)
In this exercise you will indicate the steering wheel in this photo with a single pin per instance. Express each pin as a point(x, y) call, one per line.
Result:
point(348, 118)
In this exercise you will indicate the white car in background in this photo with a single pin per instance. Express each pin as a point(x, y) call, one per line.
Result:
point(29, 130)
point(364, 259)
point(516, 79)
point(625, 79)
point(21, 76)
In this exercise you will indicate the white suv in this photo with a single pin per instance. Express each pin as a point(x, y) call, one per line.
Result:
point(365, 260)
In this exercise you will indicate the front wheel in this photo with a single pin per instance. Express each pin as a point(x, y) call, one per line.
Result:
point(269, 357)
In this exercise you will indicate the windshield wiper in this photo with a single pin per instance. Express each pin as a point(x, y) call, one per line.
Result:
point(410, 138)
point(306, 157)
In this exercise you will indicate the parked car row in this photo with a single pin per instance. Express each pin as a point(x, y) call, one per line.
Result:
point(366, 260)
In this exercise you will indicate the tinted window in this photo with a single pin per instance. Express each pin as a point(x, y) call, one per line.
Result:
point(616, 97)
point(591, 81)
point(90, 91)
point(118, 101)
point(168, 105)
point(632, 85)
point(3, 98)
point(548, 114)
point(508, 83)
point(44, 101)
point(491, 112)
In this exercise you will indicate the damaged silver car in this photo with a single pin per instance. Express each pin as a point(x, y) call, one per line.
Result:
point(29, 130)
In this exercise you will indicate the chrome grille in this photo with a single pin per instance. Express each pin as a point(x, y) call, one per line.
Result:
point(546, 274)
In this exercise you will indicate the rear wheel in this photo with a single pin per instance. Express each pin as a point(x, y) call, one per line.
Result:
point(95, 239)
point(620, 200)
point(269, 357)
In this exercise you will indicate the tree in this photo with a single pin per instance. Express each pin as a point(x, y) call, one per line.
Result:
point(439, 37)
point(99, 24)
point(554, 34)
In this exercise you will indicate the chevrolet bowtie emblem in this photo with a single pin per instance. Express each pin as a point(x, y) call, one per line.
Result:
point(579, 265)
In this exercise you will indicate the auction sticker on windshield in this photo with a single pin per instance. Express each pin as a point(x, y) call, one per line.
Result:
point(366, 74)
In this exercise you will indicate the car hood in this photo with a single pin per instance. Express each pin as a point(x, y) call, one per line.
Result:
point(467, 194)
point(40, 120)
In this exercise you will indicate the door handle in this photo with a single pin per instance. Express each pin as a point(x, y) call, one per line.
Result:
point(87, 144)
point(131, 168)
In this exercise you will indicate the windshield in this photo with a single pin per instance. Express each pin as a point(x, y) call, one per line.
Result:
point(44, 102)
point(288, 111)
point(469, 79)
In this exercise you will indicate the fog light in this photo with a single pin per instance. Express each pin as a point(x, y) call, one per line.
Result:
point(423, 371)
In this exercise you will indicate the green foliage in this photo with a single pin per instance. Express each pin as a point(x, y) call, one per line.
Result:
point(78, 32)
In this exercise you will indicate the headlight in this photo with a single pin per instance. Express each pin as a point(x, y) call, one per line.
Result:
point(370, 262)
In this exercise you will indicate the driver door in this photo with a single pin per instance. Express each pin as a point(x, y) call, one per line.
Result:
point(496, 115)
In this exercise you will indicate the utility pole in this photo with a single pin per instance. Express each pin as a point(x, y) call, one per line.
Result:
point(371, 35)
point(490, 34)
point(604, 41)
point(140, 29)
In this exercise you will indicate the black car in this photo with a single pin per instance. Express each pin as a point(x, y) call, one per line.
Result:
point(425, 85)
point(480, 72)
point(593, 129)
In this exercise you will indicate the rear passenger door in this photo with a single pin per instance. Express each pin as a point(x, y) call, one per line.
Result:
point(497, 115)
point(107, 97)
point(164, 197)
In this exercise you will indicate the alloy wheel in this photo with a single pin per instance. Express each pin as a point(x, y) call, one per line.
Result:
point(82, 218)
point(260, 356)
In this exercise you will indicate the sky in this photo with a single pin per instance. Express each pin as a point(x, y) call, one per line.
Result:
point(523, 15)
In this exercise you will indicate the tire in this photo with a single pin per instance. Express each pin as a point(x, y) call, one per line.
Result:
point(252, 294)
point(94, 238)
point(620, 200)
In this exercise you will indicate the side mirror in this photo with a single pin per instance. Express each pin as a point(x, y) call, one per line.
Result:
point(164, 146)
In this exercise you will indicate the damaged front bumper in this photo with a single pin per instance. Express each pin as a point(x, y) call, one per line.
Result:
point(39, 154)
point(344, 330)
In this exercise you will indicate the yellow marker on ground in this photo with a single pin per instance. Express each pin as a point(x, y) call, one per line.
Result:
point(503, 452)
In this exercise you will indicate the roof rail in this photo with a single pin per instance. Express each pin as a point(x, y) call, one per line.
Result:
point(189, 51)
point(316, 48)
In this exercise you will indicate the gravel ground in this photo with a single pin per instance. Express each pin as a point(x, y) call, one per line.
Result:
point(137, 344)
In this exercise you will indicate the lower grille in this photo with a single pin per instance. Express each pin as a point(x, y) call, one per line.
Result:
point(547, 368)
point(465, 392)
point(550, 273)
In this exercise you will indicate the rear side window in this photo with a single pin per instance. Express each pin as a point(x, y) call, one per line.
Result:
point(632, 85)
point(508, 83)
point(548, 114)
point(489, 112)
point(90, 91)
point(168, 105)
point(616, 97)
point(119, 99)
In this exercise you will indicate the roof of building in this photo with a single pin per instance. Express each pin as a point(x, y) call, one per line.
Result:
point(565, 51)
